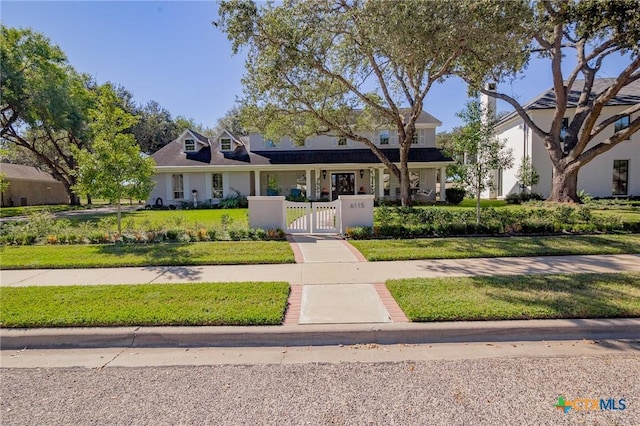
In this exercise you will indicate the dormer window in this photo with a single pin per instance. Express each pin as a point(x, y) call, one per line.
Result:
point(225, 144)
point(189, 145)
point(384, 137)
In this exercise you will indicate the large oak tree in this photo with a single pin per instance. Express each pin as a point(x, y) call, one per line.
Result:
point(312, 63)
point(44, 103)
point(587, 34)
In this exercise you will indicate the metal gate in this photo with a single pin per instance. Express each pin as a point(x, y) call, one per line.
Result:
point(312, 218)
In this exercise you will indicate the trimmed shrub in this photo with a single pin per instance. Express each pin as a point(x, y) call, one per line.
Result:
point(455, 195)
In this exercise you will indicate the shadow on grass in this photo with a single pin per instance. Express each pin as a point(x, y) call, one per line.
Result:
point(159, 254)
point(566, 296)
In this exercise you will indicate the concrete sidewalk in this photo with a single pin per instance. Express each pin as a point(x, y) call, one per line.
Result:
point(324, 273)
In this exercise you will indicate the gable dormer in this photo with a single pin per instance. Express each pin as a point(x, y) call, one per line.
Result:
point(193, 141)
point(227, 141)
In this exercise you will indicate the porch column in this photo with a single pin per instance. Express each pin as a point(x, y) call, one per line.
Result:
point(381, 184)
point(443, 183)
point(256, 181)
point(307, 179)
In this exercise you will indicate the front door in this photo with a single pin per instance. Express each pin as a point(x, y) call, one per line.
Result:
point(342, 184)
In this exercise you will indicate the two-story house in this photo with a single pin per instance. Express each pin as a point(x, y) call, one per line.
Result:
point(324, 167)
point(613, 173)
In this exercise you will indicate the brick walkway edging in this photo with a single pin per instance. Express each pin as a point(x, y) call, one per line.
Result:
point(395, 313)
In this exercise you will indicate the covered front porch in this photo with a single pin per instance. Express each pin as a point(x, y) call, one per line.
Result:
point(328, 183)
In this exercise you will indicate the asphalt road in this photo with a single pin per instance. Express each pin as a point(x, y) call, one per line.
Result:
point(487, 391)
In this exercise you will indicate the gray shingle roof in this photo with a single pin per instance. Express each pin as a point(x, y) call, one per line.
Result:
point(172, 155)
point(18, 171)
point(629, 95)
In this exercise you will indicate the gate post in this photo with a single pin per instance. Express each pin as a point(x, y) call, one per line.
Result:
point(355, 210)
point(266, 212)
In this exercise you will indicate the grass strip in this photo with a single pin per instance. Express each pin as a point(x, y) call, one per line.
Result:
point(248, 303)
point(519, 297)
point(460, 248)
point(160, 254)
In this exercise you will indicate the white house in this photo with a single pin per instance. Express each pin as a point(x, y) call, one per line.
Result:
point(324, 167)
point(614, 173)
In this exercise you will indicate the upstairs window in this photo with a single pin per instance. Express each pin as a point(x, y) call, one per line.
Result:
point(622, 123)
point(342, 141)
point(414, 139)
point(189, 145)
point(225, 144)
point(384, 137)
point(270, 143)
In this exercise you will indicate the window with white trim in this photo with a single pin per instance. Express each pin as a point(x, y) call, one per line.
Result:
point(383, 137)
point(177, 186)
point(189, 145)
point(216, 185)
point(620, 177)
point(225, 144)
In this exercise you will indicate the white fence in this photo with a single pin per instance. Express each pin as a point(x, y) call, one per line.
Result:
point(311, 217)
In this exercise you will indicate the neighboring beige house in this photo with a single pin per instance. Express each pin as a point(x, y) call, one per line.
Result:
point(324, 167)
point(29, 186)
point(615, 173)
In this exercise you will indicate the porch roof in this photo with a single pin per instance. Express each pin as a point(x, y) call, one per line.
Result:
point(172, 156)
point(350, 156)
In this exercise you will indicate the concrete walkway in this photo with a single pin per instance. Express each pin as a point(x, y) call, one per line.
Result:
point(338, 302)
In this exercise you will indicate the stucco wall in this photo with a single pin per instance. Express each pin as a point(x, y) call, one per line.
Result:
point(595, 177)
point(427, 139)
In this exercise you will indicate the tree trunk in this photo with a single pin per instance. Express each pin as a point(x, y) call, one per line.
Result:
point(564, 187)
point(478, 193)
point(119, 219)
point(405, 182)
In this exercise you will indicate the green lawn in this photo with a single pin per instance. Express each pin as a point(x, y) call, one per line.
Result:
point(248, 303)
point(149, 219)
point(458, 248)
point(519, 297)
point(24, 210)
point(115, 255)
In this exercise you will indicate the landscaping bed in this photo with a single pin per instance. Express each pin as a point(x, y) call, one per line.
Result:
point(519, 297)
point(248, 303)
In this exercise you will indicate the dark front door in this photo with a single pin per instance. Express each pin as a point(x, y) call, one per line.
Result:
point(342, 184)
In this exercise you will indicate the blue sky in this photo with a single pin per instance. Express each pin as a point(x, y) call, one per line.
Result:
point(170, 52)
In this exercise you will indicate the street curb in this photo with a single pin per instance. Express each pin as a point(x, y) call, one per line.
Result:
point(321, 335)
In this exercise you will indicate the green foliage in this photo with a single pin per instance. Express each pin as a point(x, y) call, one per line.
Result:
point(44, 103)
point(401, 222)
point(519, 297)
point(455, 195)
point(478, 152)
point(115, 169)
point(248, 303)
point(527, 174)
point(310, 64)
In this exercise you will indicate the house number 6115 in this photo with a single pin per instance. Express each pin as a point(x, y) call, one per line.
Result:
point(357, 206)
